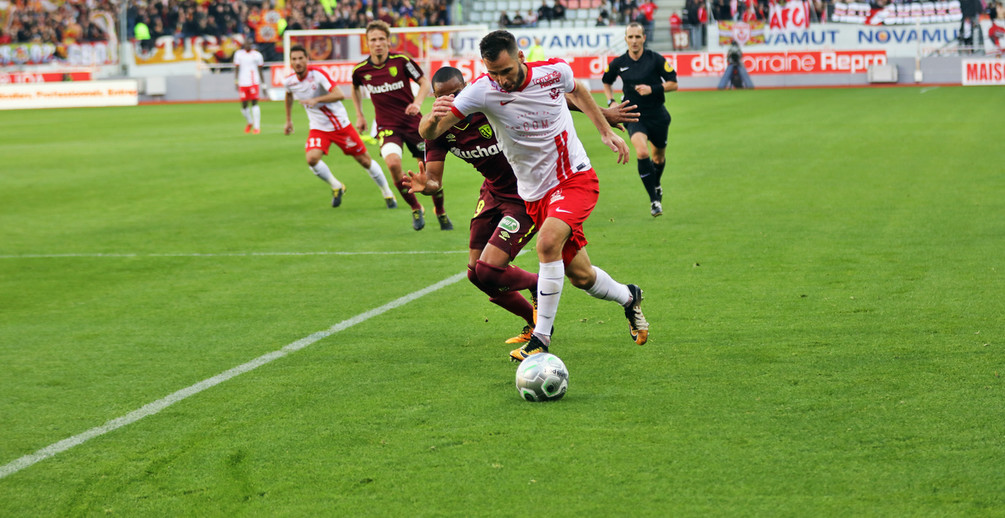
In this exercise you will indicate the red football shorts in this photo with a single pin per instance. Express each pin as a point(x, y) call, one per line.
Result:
point(346, 139)
point(248, 93)
point(571, 201)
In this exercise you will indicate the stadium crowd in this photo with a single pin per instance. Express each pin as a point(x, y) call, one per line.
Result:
point(44, 21)
point(609, 13)
point(74, 21)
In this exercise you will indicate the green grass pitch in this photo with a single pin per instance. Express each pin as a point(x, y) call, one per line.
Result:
point(825, 292)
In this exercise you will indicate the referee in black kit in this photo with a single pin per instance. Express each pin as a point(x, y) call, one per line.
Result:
point(646, 76)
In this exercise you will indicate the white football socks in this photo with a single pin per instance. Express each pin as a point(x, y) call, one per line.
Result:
point(378, 177)
point(550, 279)
point(256, 116)
point(247, 114)
point(607, 288)
point(322, 172)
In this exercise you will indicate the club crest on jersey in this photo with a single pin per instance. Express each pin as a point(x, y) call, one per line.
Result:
point(485, 131)
point(557, 196)
point(509, 224)
point(393, 71)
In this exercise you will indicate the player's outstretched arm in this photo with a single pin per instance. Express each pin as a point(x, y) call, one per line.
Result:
point(621, 113)
point(439, 119)
point(616, 115)
point(584, 99)
point(427, 181)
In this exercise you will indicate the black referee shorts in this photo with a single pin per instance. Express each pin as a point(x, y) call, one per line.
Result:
point(655, 124)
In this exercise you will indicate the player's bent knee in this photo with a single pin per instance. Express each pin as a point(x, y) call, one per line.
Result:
point(477, 281)
point(489, 275)
point(390, 149)
point(549, 248)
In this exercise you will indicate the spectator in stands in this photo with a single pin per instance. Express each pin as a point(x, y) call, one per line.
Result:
point(721, 11)
point(625, 11)
point(648, 9)
point(544, 12)
point(675, 21)
point(558, 11)
point(530, 18)
point(605, 13)
point(517, 20)
point(971, 35)
point(504, 20)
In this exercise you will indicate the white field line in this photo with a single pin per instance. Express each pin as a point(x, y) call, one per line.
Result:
point(155, 407)
point(222, 254)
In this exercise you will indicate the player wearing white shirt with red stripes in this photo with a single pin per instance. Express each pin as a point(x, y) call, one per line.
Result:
point(329, 123)
point(248, 64)
point(525, 103)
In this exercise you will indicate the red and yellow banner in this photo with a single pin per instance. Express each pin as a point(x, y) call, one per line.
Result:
point(208, 49)
point(745, 33)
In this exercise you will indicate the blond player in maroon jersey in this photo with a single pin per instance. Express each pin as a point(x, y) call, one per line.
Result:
point(329, 124)
point(388, 79)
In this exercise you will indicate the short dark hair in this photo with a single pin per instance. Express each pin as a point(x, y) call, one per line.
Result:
point(445, 74)
point(637, 25)
point(299, 48)
point(495, 42)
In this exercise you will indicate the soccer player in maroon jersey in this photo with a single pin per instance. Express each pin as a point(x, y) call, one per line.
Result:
point(500, 227)
point(388, 78)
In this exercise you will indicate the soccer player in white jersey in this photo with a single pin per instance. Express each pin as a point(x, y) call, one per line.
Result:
point(525, 103)
point(248, 64)
point(329, 124)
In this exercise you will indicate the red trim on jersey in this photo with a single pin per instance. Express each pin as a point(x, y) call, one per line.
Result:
point(457, 113)
point(322, 72)
point(563, 169)
point(526, 79)
point(331, 117)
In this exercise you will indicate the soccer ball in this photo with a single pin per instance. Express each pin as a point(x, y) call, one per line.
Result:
point(542, 377)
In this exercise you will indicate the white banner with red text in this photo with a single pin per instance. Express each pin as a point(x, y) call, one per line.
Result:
point(687, 64)
point(983, 72)
point(120, 92)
